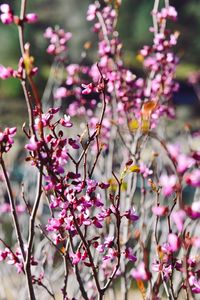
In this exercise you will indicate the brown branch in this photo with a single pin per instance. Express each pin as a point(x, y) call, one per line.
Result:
point(77, 273)
point(21, 25)
point(32, 234)
point(39, 283)
point(87, 248)
point(163, 144)
point(118, 223)
point(13, 209)
point(64, 289)
point(97, 132)
point(99, 149)
point(48, 238)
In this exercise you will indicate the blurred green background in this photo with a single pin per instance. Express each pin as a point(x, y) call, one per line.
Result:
point(134, 21)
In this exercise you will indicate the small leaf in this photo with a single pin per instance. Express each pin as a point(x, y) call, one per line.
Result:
point(160, 253)
point(145, 125)
point(124, 186)
point(63, 250)
point(141, 287)
point(133, 125)
point(113, 184)
point(28, 60)
point(134, 168)
point(148, 108)
point(139, 58)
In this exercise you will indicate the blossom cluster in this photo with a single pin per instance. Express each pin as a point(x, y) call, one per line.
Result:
point(58, 40)
point(15, 259)
point(6, 138)
point(8, 17)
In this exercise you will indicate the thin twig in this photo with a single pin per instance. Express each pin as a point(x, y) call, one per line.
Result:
point(13, 209)
point(77, 273)
point(32, 234)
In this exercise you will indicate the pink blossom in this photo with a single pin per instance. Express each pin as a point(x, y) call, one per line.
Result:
point(174, 242)
point(160, 210)
point(103, 185)
point(131, 215)
point(166, 13)
point(55, 201)
point(167, 271)
point(20, 208)
point(193, 178)
point(7, 15)
point(144, 51)
point(165, 268)
point(97, 223)
point(179, 218)
point(196, 206)
point(51, 49)
point(5, 72)
point(156, 266)
point(168, 184)
point(174, 150)
point(111, 254)
point(5, 8)
point(58, 40)
point(48, 33)
point(66, 121)
point(184, 162)
point(33, 145)
point(73, 143)
point(6, 138)
point(76, 257)
point(196, 241)
point(5, 208)
point(171, 12)
point(129, 255)
point(194, 283)
point(91, 13)
point(31, 18)
point(88, 88)
point(60, 93)
point(4, 254)
point(140, 272)
point(54, 224)
point(194, 210)
point(144, 170)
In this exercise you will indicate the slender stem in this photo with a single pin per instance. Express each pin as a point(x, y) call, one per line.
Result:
point(28, 104)
point(21, 25)
point(118, 223)
point(87, 247)
point(64, 289)
point(13, 209)
point(99, 125)
point(99, 149)
point(169, 215)
point(124, 143)
point(36, 94)
point(77, 273)
point(103, 27)
point(103, 110)
point(33, 215)
point(155, 10)
point(7, 246)
point(163, 144)
point(46, 288)
point(32, 234)
point(48, 238)
point(186, 276)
